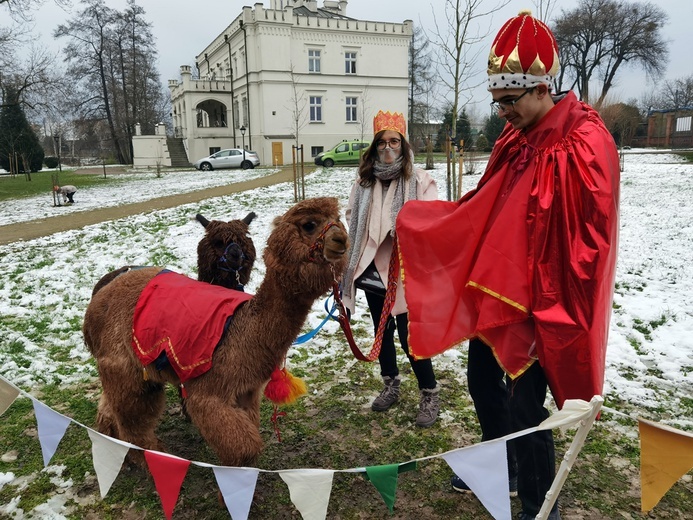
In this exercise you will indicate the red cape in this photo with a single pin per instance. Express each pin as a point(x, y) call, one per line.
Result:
point(526, 262)
point(183, 317)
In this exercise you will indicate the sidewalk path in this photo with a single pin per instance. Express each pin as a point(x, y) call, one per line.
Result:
point(42, 227)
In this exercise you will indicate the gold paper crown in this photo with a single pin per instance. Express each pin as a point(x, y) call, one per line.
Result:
point(389, 121)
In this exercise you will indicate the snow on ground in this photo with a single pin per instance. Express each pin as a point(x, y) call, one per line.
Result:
point(46, 283)
point(124, 188)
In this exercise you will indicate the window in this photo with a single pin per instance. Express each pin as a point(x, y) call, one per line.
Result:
point(313, 60)
point(315, 109)
point(350, 62)
point(683, 124)
point(213, 149)
point(236, 114)
point(351, 110)
point(244, 104)
point(359, 146)
point(315, 150)
point(342, 148)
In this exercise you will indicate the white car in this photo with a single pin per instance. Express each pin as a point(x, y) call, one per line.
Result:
point(230, 158)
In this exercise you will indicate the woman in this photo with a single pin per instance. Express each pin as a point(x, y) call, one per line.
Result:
point(386, 180)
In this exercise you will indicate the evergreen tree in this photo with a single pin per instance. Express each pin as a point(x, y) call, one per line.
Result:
point(493, 128)
point(463, 130)
point(20, 149)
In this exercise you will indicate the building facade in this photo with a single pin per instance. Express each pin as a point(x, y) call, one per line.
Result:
point(290, 75)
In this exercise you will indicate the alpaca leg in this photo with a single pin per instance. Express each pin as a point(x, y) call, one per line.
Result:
point(230, 431)
point(130, 407)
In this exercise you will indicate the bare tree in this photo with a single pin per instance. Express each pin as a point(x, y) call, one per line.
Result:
point(599, 37)
point(466, 24)
point(297, 105)
point(112, 55)
point(21, 10)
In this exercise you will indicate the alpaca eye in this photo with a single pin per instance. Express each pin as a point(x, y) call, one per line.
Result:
point(309, 227)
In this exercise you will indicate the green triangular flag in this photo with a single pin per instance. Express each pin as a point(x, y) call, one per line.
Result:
point(384, 478)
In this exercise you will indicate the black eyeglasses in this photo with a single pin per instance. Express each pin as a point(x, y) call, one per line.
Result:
point(509, 106)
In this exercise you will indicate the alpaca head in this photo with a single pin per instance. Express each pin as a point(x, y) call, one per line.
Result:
point(226, 254)
point(308, 246)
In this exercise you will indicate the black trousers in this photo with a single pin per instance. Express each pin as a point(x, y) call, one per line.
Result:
point(423, 369)
point(504, 406)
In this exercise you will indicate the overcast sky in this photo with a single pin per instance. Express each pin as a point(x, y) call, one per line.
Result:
point(183, 28)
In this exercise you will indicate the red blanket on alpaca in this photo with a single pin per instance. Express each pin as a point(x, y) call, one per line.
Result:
point(184, 318)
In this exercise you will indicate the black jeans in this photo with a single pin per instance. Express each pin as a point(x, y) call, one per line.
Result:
point(504, 406)
point(423, 369)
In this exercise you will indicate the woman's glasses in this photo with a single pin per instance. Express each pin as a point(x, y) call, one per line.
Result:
point(392, 143)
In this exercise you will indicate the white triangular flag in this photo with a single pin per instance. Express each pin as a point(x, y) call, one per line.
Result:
point(484, 468)
point(237, 486)
point(51, 428)
point(8, 393)
point(309, 490)
point(108, 458)
point(573, 411)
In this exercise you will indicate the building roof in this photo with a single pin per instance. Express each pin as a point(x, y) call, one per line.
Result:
point(321, 13)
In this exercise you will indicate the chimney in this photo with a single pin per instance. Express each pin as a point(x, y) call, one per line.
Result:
point(342, 7)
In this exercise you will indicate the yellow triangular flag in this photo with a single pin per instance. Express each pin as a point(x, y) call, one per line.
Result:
point(666, 454)
point(8, 393)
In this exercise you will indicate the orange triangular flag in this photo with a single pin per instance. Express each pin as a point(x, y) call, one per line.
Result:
point(168, 473)
point(666, 454)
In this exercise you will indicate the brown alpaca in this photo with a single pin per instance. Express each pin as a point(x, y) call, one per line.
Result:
point(307, 246)
point(225, 255)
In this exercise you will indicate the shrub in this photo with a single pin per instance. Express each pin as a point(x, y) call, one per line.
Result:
point(50, 161)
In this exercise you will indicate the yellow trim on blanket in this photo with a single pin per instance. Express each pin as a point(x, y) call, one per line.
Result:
point(499, 296)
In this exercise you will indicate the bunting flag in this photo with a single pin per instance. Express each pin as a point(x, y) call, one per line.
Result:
point(309, 490)
point(8, 393)
point(237, 486)
point(168, 472)
point(666, 454)
point(384, 478)
point(51, 429)
point(484, 468)
point(108, 455)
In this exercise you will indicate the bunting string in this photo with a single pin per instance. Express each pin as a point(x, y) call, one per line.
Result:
point(483, 466)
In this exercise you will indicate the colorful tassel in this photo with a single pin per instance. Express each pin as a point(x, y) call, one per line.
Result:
point(283, 387)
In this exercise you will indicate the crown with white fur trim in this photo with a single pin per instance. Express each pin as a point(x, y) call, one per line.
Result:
point(524, 54)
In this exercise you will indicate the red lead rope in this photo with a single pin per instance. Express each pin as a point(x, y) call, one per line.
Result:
point(390, 295)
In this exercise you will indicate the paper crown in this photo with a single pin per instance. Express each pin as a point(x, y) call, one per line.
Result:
point(523, 54)
point(389, 121)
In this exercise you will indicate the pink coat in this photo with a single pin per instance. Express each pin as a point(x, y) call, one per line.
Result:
point(377, 244)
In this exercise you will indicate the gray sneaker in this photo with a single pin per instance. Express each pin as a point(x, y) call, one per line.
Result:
point(429, 406)
point(389, 394)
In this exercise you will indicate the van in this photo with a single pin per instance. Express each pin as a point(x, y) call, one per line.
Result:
point(346, 152)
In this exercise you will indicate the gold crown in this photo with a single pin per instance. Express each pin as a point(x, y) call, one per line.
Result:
point(389, 121)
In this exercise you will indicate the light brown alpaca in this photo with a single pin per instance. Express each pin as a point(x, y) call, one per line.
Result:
point(307, 245)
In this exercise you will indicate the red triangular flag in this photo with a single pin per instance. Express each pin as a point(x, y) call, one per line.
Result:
point(168, 473)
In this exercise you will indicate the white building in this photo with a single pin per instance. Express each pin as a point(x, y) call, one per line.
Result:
point(293, 74)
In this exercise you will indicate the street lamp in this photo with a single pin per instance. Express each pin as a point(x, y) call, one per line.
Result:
point(242, 129)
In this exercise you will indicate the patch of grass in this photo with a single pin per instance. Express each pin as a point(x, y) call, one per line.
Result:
point(42, 183)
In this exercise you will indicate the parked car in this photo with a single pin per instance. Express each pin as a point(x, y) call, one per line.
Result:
point(346, 152)
point(230, 158)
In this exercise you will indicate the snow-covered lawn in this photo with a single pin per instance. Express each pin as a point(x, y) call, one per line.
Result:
point(46, 283)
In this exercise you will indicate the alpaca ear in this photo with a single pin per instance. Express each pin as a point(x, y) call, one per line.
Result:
point(202, 220)
point(249, 218)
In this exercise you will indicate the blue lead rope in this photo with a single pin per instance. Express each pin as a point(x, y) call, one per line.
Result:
point(330, 314)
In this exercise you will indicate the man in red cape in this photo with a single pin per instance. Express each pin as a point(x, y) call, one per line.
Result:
point(523, 265)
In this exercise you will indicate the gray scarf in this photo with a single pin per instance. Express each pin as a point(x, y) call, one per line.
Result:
point(360, 212)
